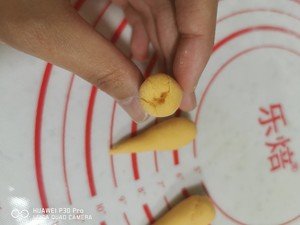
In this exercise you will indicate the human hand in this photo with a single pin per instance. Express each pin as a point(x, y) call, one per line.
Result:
point(53, 31)
point(182, 32)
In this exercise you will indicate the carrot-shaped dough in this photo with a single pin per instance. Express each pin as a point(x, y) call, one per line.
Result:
point(167, 135)
point(160, 95)
point(195, 210)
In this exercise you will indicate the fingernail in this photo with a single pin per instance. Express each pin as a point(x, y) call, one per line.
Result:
point(189, 101)
point(134, 109)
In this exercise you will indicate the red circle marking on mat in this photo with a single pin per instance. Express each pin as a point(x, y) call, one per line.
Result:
point(37, 136)
point(69, 198)
point(97, 20)
point(222, 19)
point(38, 127)
point(231, 37)
point(238, 13)
point(215, 76)
point(226, 40)
point(89, 118)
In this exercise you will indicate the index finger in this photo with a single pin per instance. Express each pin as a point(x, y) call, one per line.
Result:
point(196, 20)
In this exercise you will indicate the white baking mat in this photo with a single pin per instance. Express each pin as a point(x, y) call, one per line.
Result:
point(56, 130)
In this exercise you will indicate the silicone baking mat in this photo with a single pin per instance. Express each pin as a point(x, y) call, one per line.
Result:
point(56, 130)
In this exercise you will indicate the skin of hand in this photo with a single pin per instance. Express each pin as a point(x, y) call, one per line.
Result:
point(182, 32)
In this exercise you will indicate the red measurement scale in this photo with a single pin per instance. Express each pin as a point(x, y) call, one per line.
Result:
point(55, 148)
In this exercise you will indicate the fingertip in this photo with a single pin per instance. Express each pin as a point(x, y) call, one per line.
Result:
point(134, 109)
point(139, 42)
point(196, 21)
point(190, 60)
point(188, 102)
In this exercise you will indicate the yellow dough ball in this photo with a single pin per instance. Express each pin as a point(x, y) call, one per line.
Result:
point(160, 95)
point(195, 210)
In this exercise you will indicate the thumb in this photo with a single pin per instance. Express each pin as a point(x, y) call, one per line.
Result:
point(57, 34)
